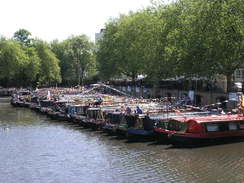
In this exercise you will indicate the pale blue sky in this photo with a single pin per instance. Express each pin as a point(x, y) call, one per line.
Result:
point(58, 19)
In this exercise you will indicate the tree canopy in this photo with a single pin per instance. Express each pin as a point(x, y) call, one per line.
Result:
point(77, 59)
point(22, 36)
point(189, 38)
point(185, 38)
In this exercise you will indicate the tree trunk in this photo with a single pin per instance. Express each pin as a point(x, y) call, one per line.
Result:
point(229, 82)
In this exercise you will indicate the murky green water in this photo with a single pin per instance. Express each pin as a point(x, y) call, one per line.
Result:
point(35, 149)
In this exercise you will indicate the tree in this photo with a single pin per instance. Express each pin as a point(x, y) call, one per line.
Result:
point(107, 55)
point(80, 53)
point(224, 24)
point(12, 60)
point(32, 68)
point(22, 36)
point(49, 64)
point(66, 68)
point(212, 37)
point(127, 46)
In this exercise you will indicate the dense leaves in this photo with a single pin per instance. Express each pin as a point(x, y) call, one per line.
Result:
point(77, 59)
point(49, 65)
point(12, 60)
point(27, 62)
point(187, 38)
point(190, 38)
point(22, 36)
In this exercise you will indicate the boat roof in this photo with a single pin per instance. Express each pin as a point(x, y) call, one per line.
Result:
point(212, 118)
point(163, 116)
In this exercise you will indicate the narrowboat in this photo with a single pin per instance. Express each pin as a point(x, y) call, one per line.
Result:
point(91, 116)
point(113, 120)
point(125, 123)
point(142, 128)
point(97, 117)
point(161, 128)
point(76, 113)
point(205, 130)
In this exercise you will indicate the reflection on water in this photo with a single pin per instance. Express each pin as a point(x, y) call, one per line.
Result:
point(35, 149)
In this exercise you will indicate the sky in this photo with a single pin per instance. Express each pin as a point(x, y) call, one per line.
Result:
point(59, 19)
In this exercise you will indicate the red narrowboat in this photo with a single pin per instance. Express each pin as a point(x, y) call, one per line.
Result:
point(205, 130)
point(162, 129)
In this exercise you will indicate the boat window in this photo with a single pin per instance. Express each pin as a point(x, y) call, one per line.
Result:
point(220, 127)
point(177, 125)
point(212, 127)
point(232, 126)
point(162, 124)
point(223, 127)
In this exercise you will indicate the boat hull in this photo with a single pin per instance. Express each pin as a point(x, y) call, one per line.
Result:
point(187, 141)
point(140, 134)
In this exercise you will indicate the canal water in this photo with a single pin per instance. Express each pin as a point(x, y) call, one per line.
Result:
point(35, 149)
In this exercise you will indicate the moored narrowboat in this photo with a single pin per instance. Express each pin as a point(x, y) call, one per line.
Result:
point(113, 120)
point(142, 128)
point(125, 123)
point(162, 130)
point(205, 130)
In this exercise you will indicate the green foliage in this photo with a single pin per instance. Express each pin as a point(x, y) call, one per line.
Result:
point(49, 64)
point(32, 68)
point(108, 57)
point(12, 60)
point(78, 59)
point(66, 69)
point(214, 37)
point(126, 46)
point(27, 62)
point(185, 38)
point(19, 66)
point(22, 36)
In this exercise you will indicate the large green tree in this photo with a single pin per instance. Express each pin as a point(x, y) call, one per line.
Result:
point(210, 39)
point(23, 36)
point(66, 68)
point(222, 24)
point(108, 53)
point(32, 68)
point(126, 48)
point(79, 57)
point(190, 38)
point(12, 59)
point(49, 64)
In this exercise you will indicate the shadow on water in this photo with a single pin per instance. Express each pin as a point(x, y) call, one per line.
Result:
point(148, 141)
point(139, 140)
point(120, 137)
point(213, 144)
point(157, 143)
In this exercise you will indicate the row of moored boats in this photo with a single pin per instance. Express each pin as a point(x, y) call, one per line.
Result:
point(168, 121)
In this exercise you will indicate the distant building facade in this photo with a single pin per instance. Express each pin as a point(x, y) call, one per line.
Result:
point(237, 80)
